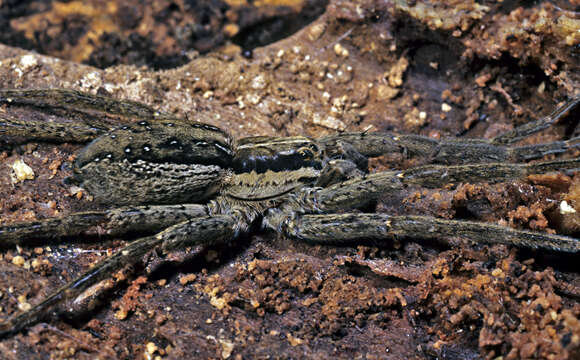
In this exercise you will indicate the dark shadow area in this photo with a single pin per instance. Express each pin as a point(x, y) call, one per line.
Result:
point(159, 35)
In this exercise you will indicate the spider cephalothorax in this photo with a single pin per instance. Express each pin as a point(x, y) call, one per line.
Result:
point(187, 183)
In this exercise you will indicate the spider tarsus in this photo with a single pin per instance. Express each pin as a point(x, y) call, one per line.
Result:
point(533, 127)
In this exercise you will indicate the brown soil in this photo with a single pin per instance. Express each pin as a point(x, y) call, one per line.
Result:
point(438, 68)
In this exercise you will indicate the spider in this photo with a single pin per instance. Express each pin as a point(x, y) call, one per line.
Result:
point(187, 183)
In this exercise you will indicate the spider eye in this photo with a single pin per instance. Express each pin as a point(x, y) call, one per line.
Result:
point(307, 154)
point(314, 148)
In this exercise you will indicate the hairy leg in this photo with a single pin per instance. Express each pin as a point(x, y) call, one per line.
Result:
point(142, 219)
point(31, 113)
point(358, 192)
point(459, 151)
point(345, 228)
point(203, 230)
point(532, 127)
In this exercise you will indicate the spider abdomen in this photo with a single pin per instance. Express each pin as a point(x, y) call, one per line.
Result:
point(141, 182)
point(160, 162)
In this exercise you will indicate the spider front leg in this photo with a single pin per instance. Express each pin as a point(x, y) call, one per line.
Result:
point(77, 101)
point(204, 230)
point(358, 192)
point(458, 151)
point(345, 228)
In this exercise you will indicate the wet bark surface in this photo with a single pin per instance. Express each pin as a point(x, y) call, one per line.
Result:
point(442, 69)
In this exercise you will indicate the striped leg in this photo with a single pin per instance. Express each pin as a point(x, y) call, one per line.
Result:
point(62, 115)
point(346, 228)
point(459, 151)
point(142, 219)
point(203, 230)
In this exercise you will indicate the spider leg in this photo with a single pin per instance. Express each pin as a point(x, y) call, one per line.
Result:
point(532, 127)
point(344, 228)
point(466, 151)
point(78, 101)
point(358, 192)
point(41, 129)
point(30, 113)
point(439, 175)
point(447, 151)
point(458, 151)
point(336, 171)
point(203, 230)
point(537, 151)
point(142, 219)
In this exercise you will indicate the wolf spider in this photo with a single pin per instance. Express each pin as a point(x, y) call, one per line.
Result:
point(188, 183)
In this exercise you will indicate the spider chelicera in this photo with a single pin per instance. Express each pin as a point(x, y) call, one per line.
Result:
point(188, 183)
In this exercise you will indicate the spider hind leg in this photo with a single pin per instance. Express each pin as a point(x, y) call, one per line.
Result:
point(358, 192)
point(81, 117)
point(523, 131)
point(203, 230)
point(336, 171)
point(120, 221)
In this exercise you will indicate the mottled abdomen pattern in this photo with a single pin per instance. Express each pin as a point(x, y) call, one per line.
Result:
point(157, 162)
